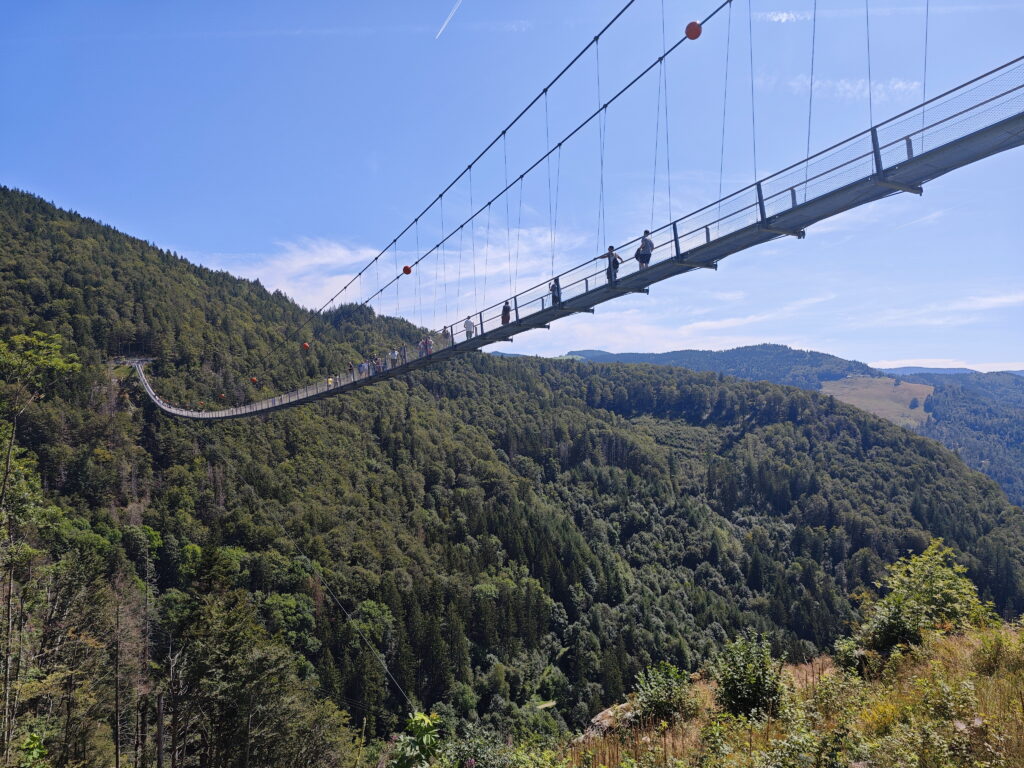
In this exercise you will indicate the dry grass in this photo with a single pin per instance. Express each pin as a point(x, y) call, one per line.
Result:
point(880, 396)
point(980, 674)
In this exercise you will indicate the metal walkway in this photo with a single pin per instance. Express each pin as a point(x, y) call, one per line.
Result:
point(978, 119)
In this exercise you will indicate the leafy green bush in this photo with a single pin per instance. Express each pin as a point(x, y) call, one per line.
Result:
point(749, 678)
point(419, 745)
point(923, 592)
point(663, 693)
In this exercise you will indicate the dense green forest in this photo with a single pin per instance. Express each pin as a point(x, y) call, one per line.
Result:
point(515, 539)
point(980, 416)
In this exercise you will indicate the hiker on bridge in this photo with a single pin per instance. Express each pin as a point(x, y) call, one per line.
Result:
point(470, 327)
point(643, 253)
point(506, 314)
point(556, 292)
point(613, 265)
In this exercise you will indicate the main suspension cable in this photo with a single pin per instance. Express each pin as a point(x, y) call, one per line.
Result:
point(358, 276)
point(597, 113)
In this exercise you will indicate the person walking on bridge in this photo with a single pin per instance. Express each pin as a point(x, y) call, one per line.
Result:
point(643, 253)
point(613, 265)
point(506, 314)
point(470, 327)
point(556, 292)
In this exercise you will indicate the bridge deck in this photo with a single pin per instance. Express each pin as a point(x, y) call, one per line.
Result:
point(976, 120)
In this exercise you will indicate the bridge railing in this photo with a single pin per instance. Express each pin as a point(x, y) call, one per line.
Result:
point(949, 116)
point(881, 149)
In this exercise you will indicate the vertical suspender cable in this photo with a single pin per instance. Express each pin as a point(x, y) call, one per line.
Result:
point(657, 137)
point(419, 298)
point(487, 253)
point(664, 77)
point(398, 299)
point(867, 35)
point(753, 109)
point(444, 263)
point(810, 95)
point(472, 236)
point(558, 187)
point(458, 280)
point(519, 228)
point(725, 102)
point(508, 221)
point(376, 282)
point(924, 80)
point(547, 162)
point(601, 125)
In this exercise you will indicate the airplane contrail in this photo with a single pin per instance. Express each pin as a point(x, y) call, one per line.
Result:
point(446, 21)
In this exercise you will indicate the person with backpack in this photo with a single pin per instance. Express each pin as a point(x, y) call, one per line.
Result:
point(646, 249)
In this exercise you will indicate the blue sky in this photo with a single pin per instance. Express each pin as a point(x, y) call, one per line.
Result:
point(292, 141)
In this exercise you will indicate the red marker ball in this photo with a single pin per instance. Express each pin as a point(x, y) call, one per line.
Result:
point(253, 379)
point(222, 395)
point(693, 30)
point(407, 269)
point(305, 345)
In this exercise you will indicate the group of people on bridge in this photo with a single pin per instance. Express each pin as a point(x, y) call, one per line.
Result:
point(399, 356)
point(643, 255)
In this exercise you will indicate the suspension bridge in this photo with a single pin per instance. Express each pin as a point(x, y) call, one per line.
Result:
point(980, 118)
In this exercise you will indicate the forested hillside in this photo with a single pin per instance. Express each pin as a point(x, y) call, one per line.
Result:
point(978, 415)
point(981, 417)
point(517, 539)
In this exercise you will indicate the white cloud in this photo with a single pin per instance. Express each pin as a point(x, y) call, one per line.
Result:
point(787, 310)
point(729, 295)
point(952, 313)
point(849, 89)
point(310, 270)
point(788, 17)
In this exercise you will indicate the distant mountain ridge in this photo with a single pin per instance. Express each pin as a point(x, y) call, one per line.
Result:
point(908, 370)
point(776, 363)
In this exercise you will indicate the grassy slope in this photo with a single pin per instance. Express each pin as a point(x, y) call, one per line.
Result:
point(881, 396)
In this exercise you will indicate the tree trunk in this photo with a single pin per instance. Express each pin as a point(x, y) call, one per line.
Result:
point(117, 684)
point(160, 730)
point(9, 601)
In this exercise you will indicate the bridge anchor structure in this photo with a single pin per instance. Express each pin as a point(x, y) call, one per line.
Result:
point(981, 118)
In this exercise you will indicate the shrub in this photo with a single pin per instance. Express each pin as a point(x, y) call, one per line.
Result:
point(418, 746)
point(663, 693)
point(924, 592)
point(749, 678)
